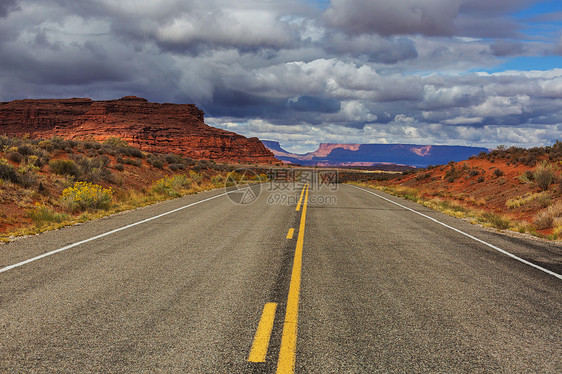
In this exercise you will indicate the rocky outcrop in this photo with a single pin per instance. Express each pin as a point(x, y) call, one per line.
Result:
point(153, 127)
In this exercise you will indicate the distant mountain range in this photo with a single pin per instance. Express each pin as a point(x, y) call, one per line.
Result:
point(366, 155)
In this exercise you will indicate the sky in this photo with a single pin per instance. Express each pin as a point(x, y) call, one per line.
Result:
point(302, 72)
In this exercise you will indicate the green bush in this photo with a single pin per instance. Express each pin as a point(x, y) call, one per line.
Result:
point(15, 157)
point(544, 175)
point(65, 167)
point(8, 172)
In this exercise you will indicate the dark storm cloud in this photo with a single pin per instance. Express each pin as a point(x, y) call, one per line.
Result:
point(372, 47)
point(363, 70)
point(427, 17)
point(314, 104)
point(476, 18)
point(7, 6)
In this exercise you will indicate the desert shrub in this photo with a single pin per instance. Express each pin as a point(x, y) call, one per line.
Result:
point(115, 142)
point(527, 177)
point(188, 161)
point(481, 179)
point(474, 172)
point(176, 167)
point(201, 165)
point(196, 177)
point(172, 186)
point(217, 180)
point(544, 175)
point(94, 169)
point(155, 161)
point(42, 214)
point(65, 167)
point(119, 159)
point(25, 150)
point(15, 157)
point(494, 220)
point(130, 151)
point(132, 161)
point(84, 195)
point(546, 218)
point(92, 145)
point(498, 173)
point(45, 144)
point(171, 158)
point(107, 150)
point(451, 174)
point(28, 175)
point(7, 141)
point(119, 167)
point(543, 220)
point(8, 172)
point(423, 176)
point(34, 161)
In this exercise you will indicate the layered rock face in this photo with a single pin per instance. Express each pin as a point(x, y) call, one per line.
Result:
point(333, 154)
point(153, 127)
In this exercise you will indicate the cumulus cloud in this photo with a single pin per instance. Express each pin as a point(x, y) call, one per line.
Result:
point(358, 71)
point(427, 17)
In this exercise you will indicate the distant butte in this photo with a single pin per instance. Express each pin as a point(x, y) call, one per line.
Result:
point(153, 127)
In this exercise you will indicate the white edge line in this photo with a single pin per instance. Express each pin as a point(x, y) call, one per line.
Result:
point(465, 234)
point(10, 267)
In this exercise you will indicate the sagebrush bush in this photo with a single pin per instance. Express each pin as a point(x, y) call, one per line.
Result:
point(8, 172)
point(544, 175)
point(65, 167)
point(15, 157)
point(84, 195)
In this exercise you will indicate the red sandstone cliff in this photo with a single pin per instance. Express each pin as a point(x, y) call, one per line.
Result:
point(153, 127)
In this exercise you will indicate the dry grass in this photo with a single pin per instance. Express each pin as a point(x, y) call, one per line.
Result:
point(453, 208)
point(543, 198)
point(549, 218)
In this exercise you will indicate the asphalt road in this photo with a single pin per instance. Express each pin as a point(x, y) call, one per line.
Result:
point(363, 286)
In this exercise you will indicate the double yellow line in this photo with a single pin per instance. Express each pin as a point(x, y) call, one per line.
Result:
point(286, 362)
point(258, 352)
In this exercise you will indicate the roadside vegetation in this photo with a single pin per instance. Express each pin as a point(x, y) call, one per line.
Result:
point(508, 189)
point(46, 184)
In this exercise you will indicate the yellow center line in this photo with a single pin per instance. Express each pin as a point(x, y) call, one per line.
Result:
point(286, 362)
point(263, 334)
point(290, 233)
point(300, 200)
